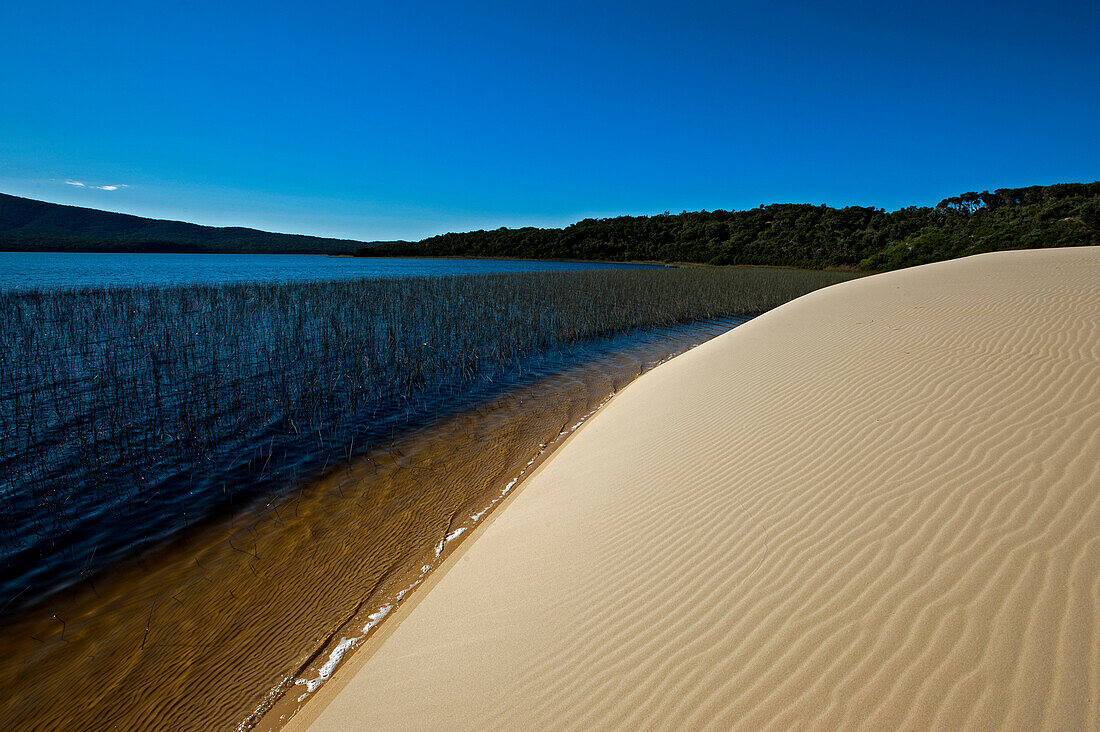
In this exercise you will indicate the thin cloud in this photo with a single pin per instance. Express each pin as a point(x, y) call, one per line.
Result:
point(80, 184)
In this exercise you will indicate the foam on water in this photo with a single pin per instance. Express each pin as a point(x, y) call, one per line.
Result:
point(336, 656)
point(307, 560)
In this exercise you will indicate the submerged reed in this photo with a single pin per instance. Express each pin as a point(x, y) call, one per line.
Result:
point(125, 414)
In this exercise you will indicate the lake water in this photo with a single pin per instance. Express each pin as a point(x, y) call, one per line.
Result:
point(47, 270)
point(195, 635)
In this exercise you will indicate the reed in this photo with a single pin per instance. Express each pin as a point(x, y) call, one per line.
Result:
point(127, 413)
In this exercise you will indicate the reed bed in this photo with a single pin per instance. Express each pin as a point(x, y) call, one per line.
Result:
point(126, 414)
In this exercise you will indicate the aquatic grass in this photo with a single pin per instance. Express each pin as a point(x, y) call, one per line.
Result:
point(128, 413)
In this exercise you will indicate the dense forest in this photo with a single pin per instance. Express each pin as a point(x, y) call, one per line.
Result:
point(802, 235)
point(36, 226)
point(781, 234)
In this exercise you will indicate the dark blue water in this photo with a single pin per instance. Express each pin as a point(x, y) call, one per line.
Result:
point(47, 270)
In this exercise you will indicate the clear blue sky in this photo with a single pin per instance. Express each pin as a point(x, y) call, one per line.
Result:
point(401, 120)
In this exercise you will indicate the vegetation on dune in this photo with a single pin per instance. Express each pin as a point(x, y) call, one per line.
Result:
point(127, 413)
point(802, 235)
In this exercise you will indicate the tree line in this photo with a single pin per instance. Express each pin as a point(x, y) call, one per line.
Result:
point(801, 235)
point(780, 234)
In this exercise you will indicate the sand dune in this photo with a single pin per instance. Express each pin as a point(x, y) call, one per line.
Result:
point(875, 507)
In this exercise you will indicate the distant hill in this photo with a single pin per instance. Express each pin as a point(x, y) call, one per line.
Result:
point(803, 235)
point(29, 225)
point(779, 234)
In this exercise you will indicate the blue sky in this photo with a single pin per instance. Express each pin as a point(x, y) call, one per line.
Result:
point(402, 120)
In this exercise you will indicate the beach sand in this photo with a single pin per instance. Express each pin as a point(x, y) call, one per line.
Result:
point(875, 507)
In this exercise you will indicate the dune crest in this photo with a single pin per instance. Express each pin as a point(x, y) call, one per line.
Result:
point(876, 507)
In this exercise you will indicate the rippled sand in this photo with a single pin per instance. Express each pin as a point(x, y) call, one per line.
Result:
point(208, 632)
point(875, 507)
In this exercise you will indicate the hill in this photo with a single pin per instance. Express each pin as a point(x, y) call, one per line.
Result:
point(29, 225)
point(803, 235)
point(780, 234)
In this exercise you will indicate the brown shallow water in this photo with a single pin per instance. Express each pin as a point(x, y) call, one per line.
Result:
point(210, 631)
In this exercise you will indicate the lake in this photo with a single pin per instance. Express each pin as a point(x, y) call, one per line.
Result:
point(48, 270)
point(208, 484)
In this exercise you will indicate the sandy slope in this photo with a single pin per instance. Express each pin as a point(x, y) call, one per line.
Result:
point(876, 507)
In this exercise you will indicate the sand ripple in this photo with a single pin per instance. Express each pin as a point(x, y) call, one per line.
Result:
point(875, 507)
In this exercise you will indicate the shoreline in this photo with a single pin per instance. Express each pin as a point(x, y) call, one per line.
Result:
point(287, 706)
point(900, 503)
point(337, 660)
point(212, 622)
point(306, 713)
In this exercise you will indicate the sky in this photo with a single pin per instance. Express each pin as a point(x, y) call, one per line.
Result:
point(394, 120)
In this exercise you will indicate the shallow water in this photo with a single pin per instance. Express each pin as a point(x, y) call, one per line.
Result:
point(49, 270)
point(237, 614)
point(128, 414)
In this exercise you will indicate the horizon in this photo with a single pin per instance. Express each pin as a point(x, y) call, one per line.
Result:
point(372, 123)
point(560, 226)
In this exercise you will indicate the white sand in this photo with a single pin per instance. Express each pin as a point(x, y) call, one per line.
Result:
point(877, 507)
